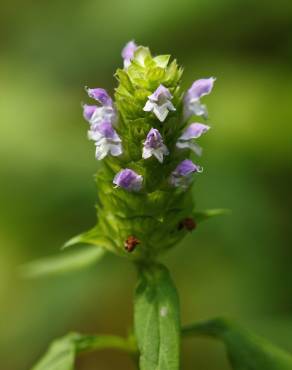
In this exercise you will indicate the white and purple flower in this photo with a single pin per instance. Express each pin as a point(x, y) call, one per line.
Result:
point(182, 175)
point(192, 103)
point(154, 145)
point(159, 102)
point(104, 112)
point(128, 180)
point(107, 141)
point(128, 53)
point(189, 136)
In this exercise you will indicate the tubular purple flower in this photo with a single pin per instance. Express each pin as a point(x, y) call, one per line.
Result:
point(192, 104)
point(100, 95)
point(128, 180)
point(107, 141)
point(154, 145)
point(128, 53)
point(192, 132)
point(159, 102)
point(181, 176)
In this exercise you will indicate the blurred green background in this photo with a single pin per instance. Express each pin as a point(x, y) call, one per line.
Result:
point(237, 266)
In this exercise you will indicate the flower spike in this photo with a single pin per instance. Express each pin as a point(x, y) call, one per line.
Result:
point(144, 144)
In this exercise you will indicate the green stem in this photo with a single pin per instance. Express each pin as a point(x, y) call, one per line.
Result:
point(92, 343)
point(213, 328)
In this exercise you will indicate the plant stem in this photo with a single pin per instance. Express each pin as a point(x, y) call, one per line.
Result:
point(91, 343)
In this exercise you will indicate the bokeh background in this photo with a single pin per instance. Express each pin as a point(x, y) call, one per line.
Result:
point(237, 266)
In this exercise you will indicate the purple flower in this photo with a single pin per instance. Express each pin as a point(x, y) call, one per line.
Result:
point(181, 176)
point(100, 95)
point(107, 141)
point(159, 102)
point(128, 180)
point(153, 145)
point(192, 104)
point(128, 53)
point(187, 139)
point(96, 115)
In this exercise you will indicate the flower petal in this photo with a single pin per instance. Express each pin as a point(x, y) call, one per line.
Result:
point(194, 131)
point(128, 180)
point(100, 95)
point(200, 88)
point(128, 53)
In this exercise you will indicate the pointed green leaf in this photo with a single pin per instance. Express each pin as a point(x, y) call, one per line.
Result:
point(92, 237)
point(208, 213)
point(62, 352)
point(157, 319)
point(63, 263)
point(246, 351)
point(60, 355)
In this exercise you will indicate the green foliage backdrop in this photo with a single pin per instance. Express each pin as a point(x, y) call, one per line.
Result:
point(238, 265)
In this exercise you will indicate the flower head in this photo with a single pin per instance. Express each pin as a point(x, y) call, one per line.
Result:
point(153, 145)
point(128, 180)
point(192, 104)
point(107, 141)
point(128, 53)
point(181, 176)
point(192, 132)
point(159, 102)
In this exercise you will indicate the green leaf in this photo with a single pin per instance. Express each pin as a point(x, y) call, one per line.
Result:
point(62, 352)
point(157, 323)
point(246, 351)
point(60, 355)
point(63, 263)
point(208, 213)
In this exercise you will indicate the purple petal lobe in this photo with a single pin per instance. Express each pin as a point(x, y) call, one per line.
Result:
point(128, 53)
point(181, 176)
point(106, 130)
point(200, 88)
point(88, 111)
point(186, 167)
point(153, 139)
point(100, 95)
point(194, 131)
point(161, 93)
point(128, 180)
